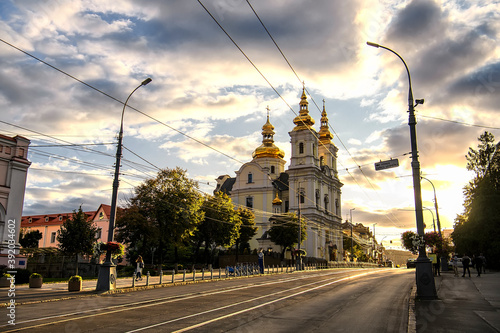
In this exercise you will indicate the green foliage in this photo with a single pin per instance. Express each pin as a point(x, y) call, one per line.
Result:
point(412, 241)
point(165, 210)
point(30, 239)
point(247, 227)
point(35, 276)
point(75, 278)
point(77, 235)
point(220, 226)
point(477, 230)
point(284, 230)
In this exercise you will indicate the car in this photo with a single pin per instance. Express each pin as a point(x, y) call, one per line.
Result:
point(410, 263)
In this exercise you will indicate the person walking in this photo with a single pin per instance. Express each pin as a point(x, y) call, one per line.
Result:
point(454, 264)
point(478, 263)
point(483, 267)
point(261, 261)
point(465, 264)
point(138, 270)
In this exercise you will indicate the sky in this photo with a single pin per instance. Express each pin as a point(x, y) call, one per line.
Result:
point(68, 66)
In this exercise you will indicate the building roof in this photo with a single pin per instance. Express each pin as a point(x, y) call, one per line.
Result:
point(30, 221)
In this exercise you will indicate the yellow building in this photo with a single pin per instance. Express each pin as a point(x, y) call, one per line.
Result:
point(310, 184)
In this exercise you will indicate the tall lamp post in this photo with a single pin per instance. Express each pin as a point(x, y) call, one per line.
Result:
point(435, 206)
point(444, 260)
point(107, 273)
point(352, 253)
point(426, 287)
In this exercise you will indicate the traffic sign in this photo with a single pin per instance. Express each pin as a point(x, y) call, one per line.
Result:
point(382, 165)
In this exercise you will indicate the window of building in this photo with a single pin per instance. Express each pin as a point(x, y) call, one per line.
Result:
point(287, 206)
point(302, 197)
point(101, 215)
point(53, 237)
point(249, 202)
point(99, 233)
point(8, 150)
point(326, 202)
point(301, 148)
point(1, 148)
point(60, 217)
point(250, 177)
point(21, 152)
point(30, 220)
point(317, 199)
point(46, 219)
point(337, 206)
point(322, 160)
point(272, 169)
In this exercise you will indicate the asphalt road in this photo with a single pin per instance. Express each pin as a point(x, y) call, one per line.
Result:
point(348, 300)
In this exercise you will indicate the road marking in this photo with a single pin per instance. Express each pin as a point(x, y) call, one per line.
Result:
point(170, 299)
point(247, 301)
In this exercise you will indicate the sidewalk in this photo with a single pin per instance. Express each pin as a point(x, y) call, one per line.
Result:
point(464, 305)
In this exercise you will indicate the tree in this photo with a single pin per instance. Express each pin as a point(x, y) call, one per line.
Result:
point(139, 232)
point(247, 228)
point(477, 230)
point(285, 231)
point(77, 236)
point(170, 206)
point(221, 225)
point(30, 239)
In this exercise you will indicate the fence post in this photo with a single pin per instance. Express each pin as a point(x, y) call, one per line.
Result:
point(219, 273)
point(194, 274)
point(203, 273)
point(147, 279)
point(211, 273)
point(161, 276)
point(184, 276)
point(133, 280)
point(173, 275)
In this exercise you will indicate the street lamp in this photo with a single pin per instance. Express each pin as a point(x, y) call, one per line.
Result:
point(435, 206)
point(107, 273)
point(352, 253)
point(424, 276)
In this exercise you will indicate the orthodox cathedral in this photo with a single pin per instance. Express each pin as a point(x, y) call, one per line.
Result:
point(309, 185)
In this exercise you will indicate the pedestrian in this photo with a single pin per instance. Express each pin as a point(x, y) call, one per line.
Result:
point(437, 266)
point(478, 263)
point(483, 267)
point(454, 264)
point(138, 270)
point(261, 261)
point(465, 264)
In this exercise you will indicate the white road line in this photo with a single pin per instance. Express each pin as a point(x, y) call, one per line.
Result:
point(137, 305)
point(247, 301)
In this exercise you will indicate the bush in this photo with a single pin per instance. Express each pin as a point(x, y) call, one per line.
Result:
point(36, 276)
point(75, 278)
point(6, 275)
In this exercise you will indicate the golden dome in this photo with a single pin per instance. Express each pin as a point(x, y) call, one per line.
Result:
point(303, 120)
point(324, 133)
point(277, 200)
point(268, 148)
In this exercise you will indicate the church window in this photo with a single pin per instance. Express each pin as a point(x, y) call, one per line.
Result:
point(301, 148)
point(322, 160)
point(287, 206)
point(302, 197)
point(317, 199)
point(250, 178)
point(272, 168)
point(326, 202)
point(249, 202)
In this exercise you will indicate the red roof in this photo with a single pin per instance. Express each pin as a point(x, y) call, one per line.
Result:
point(48, 219)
